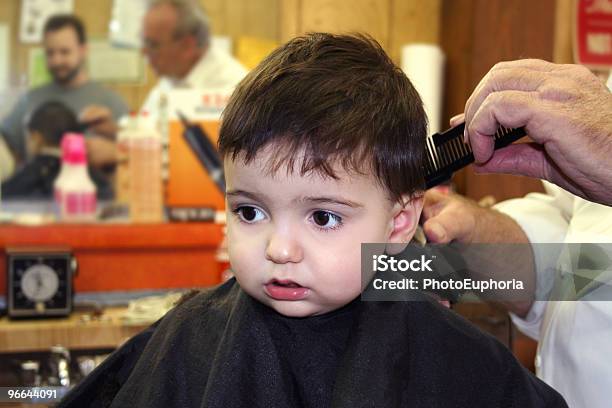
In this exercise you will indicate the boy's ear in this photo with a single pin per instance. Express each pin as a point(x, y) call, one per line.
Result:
point(405, 221)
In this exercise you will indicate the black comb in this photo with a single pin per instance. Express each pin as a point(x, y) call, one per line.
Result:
point(446, 153)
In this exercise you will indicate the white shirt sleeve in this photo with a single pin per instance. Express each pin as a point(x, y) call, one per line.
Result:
point(151, 103)
point(545, 219)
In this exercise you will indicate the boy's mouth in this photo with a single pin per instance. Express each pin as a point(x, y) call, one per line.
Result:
point(285, 289)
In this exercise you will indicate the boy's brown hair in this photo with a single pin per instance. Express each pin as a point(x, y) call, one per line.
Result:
point(325, 99)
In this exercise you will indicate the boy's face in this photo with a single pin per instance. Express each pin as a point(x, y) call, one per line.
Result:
point(295, 241)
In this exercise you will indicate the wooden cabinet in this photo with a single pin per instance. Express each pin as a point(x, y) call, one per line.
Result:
point(115, 257)
point(108, 331)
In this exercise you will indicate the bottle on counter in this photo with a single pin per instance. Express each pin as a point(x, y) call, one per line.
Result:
point(146, 189)
point(127, 125)
point(75, 192)
point(164, 131)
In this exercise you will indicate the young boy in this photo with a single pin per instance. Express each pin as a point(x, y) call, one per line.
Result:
point(46, 126)
point(323, 149)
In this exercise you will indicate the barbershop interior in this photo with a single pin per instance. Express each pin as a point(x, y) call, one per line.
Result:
point(114, 215)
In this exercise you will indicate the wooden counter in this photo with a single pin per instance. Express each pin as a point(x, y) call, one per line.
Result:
point(127, 257)
point(39, 335)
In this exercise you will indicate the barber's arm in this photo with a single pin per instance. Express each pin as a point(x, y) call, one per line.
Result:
point(449, 218)
point(544, 218)
point(100, 119)
point(566, 111)
point(456, 218)
point(101, 151)
point(101, 147)
point(536, 218)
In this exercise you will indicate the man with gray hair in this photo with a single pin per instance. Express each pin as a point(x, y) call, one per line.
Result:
point(176, 41)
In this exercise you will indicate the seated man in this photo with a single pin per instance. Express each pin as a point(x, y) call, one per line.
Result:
point(177, 44)
point(46, 127)
point(65, 44)
point(323, 146)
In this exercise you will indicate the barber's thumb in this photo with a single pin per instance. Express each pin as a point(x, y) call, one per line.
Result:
point(435, 232)
point(521, 159)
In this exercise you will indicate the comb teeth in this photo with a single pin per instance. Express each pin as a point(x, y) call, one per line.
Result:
point(446, 152)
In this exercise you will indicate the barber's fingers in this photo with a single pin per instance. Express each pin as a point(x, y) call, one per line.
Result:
point(527, 63)
point(95, 112)
point(447, 217)
point(433, 203)
point(436, 232)
point(510, 109)
point(509, 79)
point(506, 69)
point(525, 159)
point(449, 225)
point(525, 74)
point(457, 119)
point(530, 160)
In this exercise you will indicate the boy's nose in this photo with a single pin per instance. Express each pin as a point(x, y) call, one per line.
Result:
point(283, 249)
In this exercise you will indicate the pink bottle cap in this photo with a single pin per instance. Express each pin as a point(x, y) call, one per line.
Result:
point(73, 149)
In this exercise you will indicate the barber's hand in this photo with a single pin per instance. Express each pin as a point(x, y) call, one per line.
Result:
point(101, 151)
point(102, 119)
point(567, 112)
point(447, 218)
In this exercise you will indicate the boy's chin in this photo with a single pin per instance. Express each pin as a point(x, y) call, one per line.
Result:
point(299, 308)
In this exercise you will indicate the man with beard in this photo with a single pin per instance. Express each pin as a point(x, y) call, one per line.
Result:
point(65, 45)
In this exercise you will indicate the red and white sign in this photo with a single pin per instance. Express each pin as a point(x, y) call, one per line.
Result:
point(593, 40)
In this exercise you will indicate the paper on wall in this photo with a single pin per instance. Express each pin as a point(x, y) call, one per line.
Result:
point(107, 63)
point(126, 23)
point(34, 15)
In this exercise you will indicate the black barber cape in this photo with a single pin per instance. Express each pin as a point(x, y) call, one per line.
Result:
point(222, 348)
point(36, 178)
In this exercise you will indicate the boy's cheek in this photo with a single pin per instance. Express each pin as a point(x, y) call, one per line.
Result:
point(343, 283)
point(341, 265)
point(245, 250)
point(240, 247)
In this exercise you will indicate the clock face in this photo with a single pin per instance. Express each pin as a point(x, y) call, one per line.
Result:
point(40, 285)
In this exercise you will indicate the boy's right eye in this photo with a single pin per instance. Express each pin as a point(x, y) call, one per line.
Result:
point(249, 214)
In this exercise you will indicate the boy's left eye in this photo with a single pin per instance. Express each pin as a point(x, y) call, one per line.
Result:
point(326, 219)
point(249, 214)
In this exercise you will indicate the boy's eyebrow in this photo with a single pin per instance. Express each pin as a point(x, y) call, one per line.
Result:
point(318, 200)
point(331, 200)
point(248, 194)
